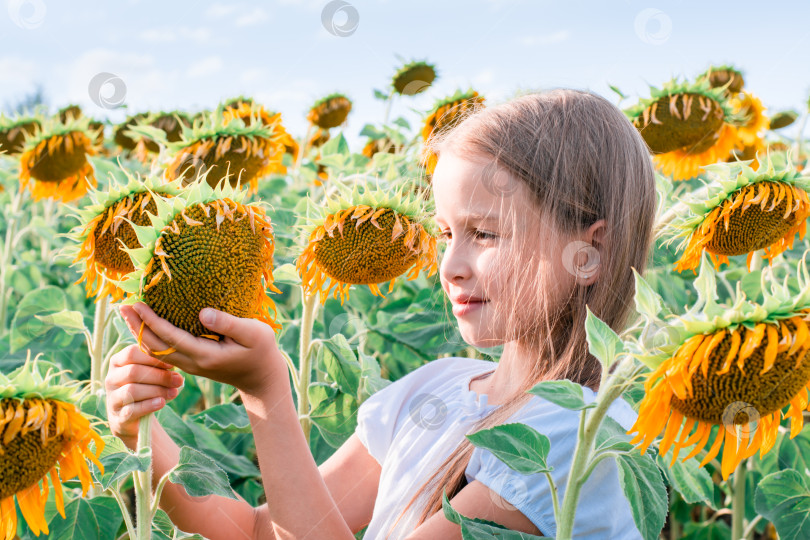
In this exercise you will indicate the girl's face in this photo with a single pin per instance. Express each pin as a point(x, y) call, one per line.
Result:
point(471, 199)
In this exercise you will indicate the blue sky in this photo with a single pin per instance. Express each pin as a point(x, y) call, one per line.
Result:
point(189, 55)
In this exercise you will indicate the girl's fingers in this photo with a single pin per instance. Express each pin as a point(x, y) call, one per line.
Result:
point(168, 334)
point(135, 410)
point(135, 393)
point(133, 355)
point(242, 331)
point(141, 374)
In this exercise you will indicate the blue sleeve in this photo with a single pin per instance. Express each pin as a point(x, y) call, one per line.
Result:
point(602, 510)
point(378, 417)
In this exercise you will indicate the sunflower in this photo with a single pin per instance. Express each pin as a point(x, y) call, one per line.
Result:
point(244, 109)
point(381, 145)
point(120, 133)
point(782, 119)
point(42, 435)
point(380, 235)
point(319, 138)
point(735, 367)
point(330, 111)
point(749, 152)
point(413, 78)
point(743, 211)
point(222, 145)
point(55, 158)
point(752, 109)
point(106, 226)
point(13, 132)
point(170, 123)
point(204, 248)
point(70, 112)
point(686, 164)
point(445, 115)
point(725, 77)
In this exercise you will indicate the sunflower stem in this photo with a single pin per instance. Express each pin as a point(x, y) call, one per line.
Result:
point(388, 103)
point(143, 484)
point(16, 199)
point(124, 510)
point(300, 157)
point(97, 352)
point(738, 502)
point(310, 308)
point(45, 246)
point(590, 420)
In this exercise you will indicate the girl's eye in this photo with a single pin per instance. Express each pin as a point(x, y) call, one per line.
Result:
point(484, 235)
point(444, 236)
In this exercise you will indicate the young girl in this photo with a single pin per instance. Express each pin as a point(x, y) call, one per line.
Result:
point(544, 204)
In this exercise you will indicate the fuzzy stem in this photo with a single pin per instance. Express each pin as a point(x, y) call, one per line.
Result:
point(800, 135)
point(310, 308)
point(124, 510)
point(143, 484)
point(590, 420)
point(48, 217)
point(738, 502)
point(97, 352)
point(5, 263)
point(388, 103)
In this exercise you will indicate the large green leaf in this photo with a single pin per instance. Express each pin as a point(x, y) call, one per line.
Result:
point(164, 529)
point(200, 475)
point(692, 482)
point(25, 326)
point(226, 417)
point(87, 519)
point(795, 453)
point(336, 418)
point(480, 529)
point(643, 486)
point(519, 446)
point(783, 498)
point(564, 393)
point(336, 358)
point(119, 462)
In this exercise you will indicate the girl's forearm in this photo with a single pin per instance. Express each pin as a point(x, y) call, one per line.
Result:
point(213, 516)
point(299, 503)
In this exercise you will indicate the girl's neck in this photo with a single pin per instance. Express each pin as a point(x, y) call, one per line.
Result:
point(509, 376)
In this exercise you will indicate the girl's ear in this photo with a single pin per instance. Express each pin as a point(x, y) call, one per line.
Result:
point(594, 235)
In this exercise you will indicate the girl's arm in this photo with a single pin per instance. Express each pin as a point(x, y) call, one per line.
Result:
point(248, 358)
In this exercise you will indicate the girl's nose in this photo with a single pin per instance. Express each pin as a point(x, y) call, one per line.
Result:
point(455, 266)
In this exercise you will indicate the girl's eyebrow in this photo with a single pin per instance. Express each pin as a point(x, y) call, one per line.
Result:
point(475, 217)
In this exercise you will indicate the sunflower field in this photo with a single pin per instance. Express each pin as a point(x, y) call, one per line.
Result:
point(335, 248)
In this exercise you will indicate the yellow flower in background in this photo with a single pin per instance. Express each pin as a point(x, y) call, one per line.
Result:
point(755, 123)
point(445, 115)
point(54, 161)
point(743, 211)
point(330, 111)
point(42, 435)
point(365, 238)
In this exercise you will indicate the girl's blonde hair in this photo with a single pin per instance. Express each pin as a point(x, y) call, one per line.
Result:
point(580, 160)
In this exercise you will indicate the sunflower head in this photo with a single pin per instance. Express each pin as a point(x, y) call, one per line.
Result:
point(734, 367)
point(445, 115)
point(223, 145)
point(70, 112)
point(42, 435)
point(413, 78)
point(248, 112)
point(365, 237)
point(170, 123)
point(681, 115)
point(330, 111)
point(751, 108)
point(13, 132)
point(120, 134)
point(743, 211)
point(55, 160)
point(381, 144)
point(782, 119)
point(726, 77)
point(105, 230)
point(204, 248)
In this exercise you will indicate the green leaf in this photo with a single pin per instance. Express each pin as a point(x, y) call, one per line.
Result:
point(286, 273)
point(795, 453)
point(337, 359)
point(475, 528)
point(783, 498)
point(336, 419)
point(603, 342)
point(648, 302)
point(71, 322)
point(564, 393)
point(692, 482)
point(379, 94)
point(335, 145)
point(200, 475)
point(519, 446)
point(643, 486)
point(164, 529)
point(716, 530)
point(371, 380)
point(226, 417)
point(89, 519)
point(25, 326)
point(119, 462)
point(612, 437)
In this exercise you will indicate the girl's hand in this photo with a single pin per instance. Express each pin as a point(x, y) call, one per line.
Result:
point(136, 386)
point(247, 358)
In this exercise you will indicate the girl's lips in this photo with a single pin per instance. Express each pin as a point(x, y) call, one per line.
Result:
point(467, 307)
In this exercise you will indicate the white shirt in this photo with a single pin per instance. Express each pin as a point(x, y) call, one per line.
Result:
point(414, 423)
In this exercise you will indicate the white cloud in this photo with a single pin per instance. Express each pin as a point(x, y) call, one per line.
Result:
point(205, 67)
point(18, 76)
point(167, 34)
point(217, 10)
point(254, 17)
point(545, 39)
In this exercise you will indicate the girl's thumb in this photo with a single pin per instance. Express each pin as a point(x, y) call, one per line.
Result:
point(210, 317)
